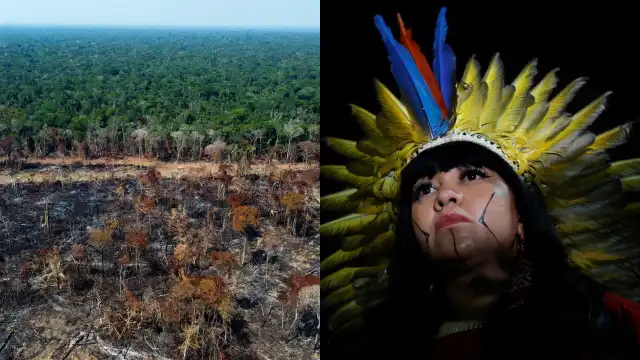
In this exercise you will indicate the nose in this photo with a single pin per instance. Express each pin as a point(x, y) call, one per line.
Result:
point(447, 196)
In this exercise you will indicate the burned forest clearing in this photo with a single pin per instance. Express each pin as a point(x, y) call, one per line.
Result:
point(142, 259)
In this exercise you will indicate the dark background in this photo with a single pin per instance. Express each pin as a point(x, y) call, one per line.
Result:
point(599, 42)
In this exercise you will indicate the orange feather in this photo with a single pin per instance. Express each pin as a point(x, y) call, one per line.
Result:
point(423, 66)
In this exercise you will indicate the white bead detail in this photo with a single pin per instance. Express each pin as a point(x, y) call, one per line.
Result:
point(468, 137)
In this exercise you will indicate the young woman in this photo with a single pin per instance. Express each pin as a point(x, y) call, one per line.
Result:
point(484, 222)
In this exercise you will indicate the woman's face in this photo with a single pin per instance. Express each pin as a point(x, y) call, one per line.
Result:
point(464, 213)
point(466, 223)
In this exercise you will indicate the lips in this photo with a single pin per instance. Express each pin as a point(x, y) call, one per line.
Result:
point(451, 219)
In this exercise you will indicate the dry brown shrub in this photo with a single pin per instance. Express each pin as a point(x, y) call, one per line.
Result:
point(124, 259)
point(120, 189)
point(123, 322)
point(224, 174)
point(189, 297)
point(244, 216)
point(151, 178)
point(235, 199)
point(240, 185)
point(310, 150)
point(131, 301)
point(145, 204)
point(224, 261)
point(137, 239)
point(293, 201)
point(78, 253)
point(100, 239)
point(183, 254)
point(297, 283)
point(178, 223)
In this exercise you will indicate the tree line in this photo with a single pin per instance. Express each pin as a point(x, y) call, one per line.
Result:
point(178, 94)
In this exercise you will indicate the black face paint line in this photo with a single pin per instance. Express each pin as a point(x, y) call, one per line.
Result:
point(484, 212)
point(426, 234)
point(455, 245)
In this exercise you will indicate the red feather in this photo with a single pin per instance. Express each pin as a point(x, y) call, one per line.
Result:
point(423, 66)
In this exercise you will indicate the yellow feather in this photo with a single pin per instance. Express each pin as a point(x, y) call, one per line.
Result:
point(632, 208)
point(627, 167)
point(538, 138)
point(396, 123)
point(340, 173)
point(339, 201)
point(367, 121)
point(346, 201)
point(382, 242)
point(349, 149)
point(579, 122)
point(356, 223)
point(610, 139)
point(358, 287)
point(362, 169)
point(562, 200)
point(544, 88)
point(469, 81)
point(494, 78)
point(471, 76)
point(571, 228)
point(350, 336)
point(376, 147)
point(346, 313)
point(631, 183)
point(559, 103)
point(507, 94)
point(337, 297)
point(386, 188)
point(521, 99)
point(586, 259)
point(468, 116)
point(356, 241)
point(395, 161)
point(616, 170)
point(568, 150)
point(345, 276)
point(538, 110)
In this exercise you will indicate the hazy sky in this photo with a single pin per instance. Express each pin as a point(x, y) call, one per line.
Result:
point(243, 13)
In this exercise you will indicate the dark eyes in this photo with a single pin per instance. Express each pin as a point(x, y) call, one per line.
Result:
point(473, 174)
point(470, 174)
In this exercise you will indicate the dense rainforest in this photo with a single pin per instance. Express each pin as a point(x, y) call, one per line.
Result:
point(175, 93)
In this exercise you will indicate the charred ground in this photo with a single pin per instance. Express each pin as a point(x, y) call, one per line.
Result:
point(161, 262)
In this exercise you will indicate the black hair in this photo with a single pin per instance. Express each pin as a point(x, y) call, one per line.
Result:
point(416, 312)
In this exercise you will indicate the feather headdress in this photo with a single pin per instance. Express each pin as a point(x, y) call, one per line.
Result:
point(583, 190)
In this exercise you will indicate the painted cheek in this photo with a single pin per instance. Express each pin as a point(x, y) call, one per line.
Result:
point(501, 190)
point(421, 217)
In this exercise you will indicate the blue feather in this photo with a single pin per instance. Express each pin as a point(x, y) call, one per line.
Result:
point(414, 89)
point(444, 61)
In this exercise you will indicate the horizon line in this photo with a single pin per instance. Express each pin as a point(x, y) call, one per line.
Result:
point(161, 26)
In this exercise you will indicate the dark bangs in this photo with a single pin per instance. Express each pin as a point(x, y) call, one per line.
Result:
point(456, 154)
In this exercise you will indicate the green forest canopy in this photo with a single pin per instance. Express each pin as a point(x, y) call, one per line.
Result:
point(218, 83)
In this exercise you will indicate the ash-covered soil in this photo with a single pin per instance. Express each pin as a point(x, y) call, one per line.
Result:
point(195, 266)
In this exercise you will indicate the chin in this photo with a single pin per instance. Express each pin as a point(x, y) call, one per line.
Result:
point(471, 241)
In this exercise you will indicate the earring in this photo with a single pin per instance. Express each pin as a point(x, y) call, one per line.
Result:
point(519, 244)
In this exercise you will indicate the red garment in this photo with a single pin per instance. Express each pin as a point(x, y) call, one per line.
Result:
point(616, 304)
